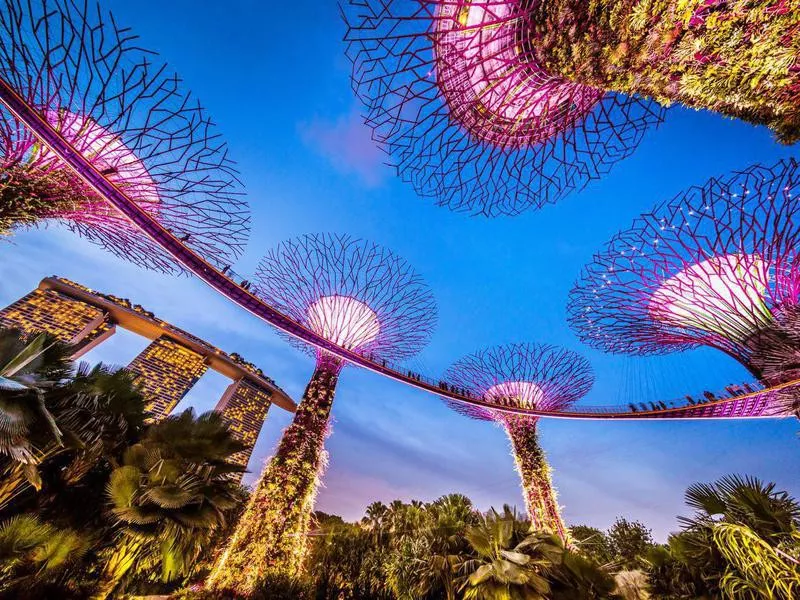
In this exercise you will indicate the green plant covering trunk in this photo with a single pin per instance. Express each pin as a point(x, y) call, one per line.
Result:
point(737, 57)
point(537, 487)
point(28, 197)
point(270, 538)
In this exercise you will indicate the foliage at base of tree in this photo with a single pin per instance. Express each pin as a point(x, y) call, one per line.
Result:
point(447, 550)
point(99, 499)
point(270, 538)
point(742, 543)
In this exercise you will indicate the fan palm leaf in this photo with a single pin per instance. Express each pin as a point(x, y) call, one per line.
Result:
point(511, 562)
point(28, 367)
point(27, 545)
point(169, 494)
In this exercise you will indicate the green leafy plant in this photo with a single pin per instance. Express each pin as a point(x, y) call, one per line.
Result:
point(30, 548)
point(169, 496)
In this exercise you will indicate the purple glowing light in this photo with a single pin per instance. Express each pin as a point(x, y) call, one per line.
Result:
point(345, 321)
point(87, 78)
point(351, 292)
point(493, 85)
point(715, 266)
point(527, 375)
point(708, 294)
point(110, 156)
point(522, 393)
point(455, 96)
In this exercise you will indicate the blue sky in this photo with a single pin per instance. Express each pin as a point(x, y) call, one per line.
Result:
point(274, 78)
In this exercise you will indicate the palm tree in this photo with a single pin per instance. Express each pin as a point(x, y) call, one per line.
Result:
point(28, 367)
point(746, 501)
point(97, 412)
point(511, 562)
point(101, 411)
point(395, 515)
point(30, 549)
point(407, 575)
point(451, 515)
point(742, 539)
point(170, 495)
point(757, 569)
point(578, 577)
point(374, 519)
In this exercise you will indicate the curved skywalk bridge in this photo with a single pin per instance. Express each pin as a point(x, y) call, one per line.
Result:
point(772, 402)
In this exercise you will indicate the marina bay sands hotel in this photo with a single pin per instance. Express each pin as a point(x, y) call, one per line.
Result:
point(167, 369)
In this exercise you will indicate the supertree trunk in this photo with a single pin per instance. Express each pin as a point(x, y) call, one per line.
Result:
point(271, 535)
point(540, 497)
point(737, 57)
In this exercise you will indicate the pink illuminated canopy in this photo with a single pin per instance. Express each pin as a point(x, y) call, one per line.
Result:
point(723, 295)
point(107, 152)
point(521, 375)
point(492, 83)
point(520, 393)
point(344, 321)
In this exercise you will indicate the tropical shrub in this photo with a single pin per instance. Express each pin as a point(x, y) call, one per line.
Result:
point(742, 542)
point(169, 496)
point(31, 549)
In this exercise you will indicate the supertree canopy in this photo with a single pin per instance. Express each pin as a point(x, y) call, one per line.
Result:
point(129, 118)
point(362, 297)
point(496, 105)
point(460, 103)
point(714, 266)
point(531, 376)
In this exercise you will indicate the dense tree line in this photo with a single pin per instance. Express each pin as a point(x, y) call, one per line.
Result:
point(742, 542)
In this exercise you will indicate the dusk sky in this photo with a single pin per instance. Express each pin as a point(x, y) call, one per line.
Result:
point(274, 78)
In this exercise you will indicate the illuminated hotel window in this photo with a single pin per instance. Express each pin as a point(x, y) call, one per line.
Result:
point(244, 407)
point(167, 371)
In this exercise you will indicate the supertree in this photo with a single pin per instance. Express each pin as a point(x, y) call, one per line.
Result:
point(532, 376)
point(127, 116)
point(362, 297)
point(456, 98)
point(493, 106)
point(714, 266)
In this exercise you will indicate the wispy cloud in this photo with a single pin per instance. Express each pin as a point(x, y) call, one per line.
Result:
point(347, 144)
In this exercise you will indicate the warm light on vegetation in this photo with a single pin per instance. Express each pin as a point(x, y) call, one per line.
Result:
point(736, 57)
point(270, 538)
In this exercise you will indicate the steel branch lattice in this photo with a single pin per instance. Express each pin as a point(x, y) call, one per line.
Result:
point(83, 73)
point(530, 376)
point(455, 97)
point(714, 266)
point(352, 292)
point(762, 403)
